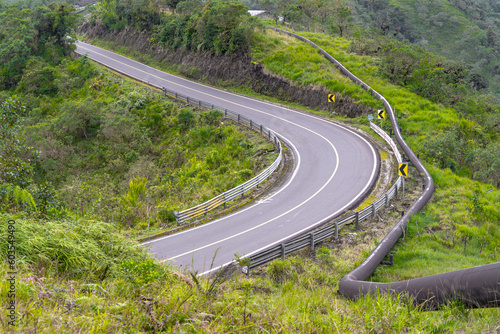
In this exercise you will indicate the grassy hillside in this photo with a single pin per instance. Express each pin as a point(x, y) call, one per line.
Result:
point(467, 31)
point(459, 203)
point(116, 151)
point(462, 211)
point(81, 275)
point(460, 142)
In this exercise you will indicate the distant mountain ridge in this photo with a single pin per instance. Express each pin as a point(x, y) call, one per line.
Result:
point(460, 30)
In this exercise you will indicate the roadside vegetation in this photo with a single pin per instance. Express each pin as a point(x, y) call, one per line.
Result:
point(89, 159)
point(466, 32)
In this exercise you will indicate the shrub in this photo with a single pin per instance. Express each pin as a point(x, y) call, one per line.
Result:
point(80, 119)
point(186, 119)
point(39, 79)
point(212, 117)
point(280, 271)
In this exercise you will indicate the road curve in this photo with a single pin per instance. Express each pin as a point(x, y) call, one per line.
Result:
point(335, 167)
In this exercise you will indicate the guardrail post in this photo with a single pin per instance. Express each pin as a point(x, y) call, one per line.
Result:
point(269, 134)
point(311, 247)
point(175, 94)
point(282, 251)
point(238, 118)
point(396, 191)
point(373, 211)
point(261, 129)
point(356, 219)
point(187, 99)
point(177, 218)
point(403, 184)
point(212, 107)
point(199, 103)
point(225, 113)
point(336, 230)
point(250, 124)
point(386, 200)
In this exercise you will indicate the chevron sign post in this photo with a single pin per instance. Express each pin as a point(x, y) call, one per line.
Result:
point(403, 169)
point(381, 116)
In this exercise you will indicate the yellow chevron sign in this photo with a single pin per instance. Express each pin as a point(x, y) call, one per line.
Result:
point(403, 169)
point(381, 114)
point(331, 98)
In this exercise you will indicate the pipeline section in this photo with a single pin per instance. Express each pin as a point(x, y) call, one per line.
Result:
point(475, 287)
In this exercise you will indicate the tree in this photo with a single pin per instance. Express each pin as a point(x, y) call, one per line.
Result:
point(16, 157)
point(491, 37)
point(188, 6)
point(53, 25)
point(79, 119)
point(186, 119)
point(344, 18)
point(400, 62)
point(487, 164)
point(38, 79)
point(16, 41)
point(217, 28)
point(25, 34)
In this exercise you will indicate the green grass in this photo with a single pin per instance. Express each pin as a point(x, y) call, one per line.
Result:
point(297, 61)
point(138, 134)
point(59, 291)
point(419, 120)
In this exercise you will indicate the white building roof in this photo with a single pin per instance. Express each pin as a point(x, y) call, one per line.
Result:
point(256, 12)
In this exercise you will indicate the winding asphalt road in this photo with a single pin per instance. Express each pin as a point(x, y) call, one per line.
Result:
point(334, 168)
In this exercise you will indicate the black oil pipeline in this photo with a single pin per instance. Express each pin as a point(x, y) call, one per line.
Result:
point(475, 287)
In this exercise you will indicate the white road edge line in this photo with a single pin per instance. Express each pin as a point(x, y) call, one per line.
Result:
point(240, 211)
point(244, 97)
point(296, 233)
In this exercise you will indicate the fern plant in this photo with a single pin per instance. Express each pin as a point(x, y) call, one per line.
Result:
point(17, 195)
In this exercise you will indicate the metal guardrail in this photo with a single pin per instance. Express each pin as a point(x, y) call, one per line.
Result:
point(309, 240)
point(388, 139)
point(475, 287)
point(231, 194)
point(223, 198)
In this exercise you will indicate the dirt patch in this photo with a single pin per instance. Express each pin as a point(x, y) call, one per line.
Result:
point(226, 71)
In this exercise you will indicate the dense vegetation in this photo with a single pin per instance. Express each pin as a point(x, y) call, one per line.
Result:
point(218, 26)
point(83, 276)
point(84, 142)
point(467, 148)
point(452, 125)
point(467, 32)
point(464, 138)
point(85, 155)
